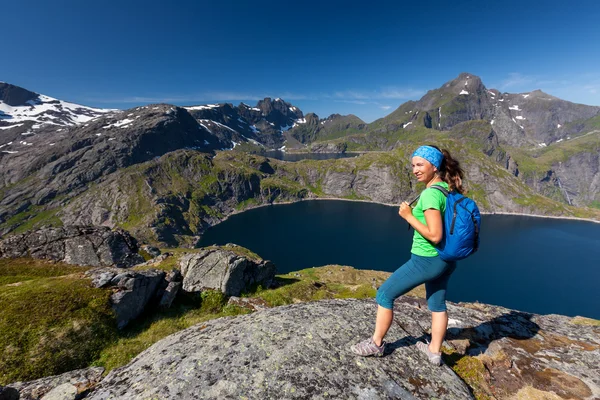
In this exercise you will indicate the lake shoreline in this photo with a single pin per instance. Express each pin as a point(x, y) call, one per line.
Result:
point(397, 205)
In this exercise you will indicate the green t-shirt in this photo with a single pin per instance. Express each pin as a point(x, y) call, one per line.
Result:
point(430, 198)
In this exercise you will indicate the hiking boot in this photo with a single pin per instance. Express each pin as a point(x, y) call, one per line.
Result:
point(368, 348)
point(435, 359)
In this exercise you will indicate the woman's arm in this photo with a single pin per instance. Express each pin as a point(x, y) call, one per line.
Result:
point(432, 230)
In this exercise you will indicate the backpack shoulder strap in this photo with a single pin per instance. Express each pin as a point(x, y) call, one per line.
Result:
point(441, 189)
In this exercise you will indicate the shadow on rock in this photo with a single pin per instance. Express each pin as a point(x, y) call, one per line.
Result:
point(475, 340)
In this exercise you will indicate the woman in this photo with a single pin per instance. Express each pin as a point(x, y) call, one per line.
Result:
point(431, 166)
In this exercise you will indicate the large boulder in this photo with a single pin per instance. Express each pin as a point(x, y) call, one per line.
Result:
point(289, 352)
point(230, 269)
point(302, 351)
point(70, 385)
point(79, 245)
point(132, 290)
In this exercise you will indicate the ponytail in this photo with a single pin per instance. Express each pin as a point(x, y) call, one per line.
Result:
point(451, 172)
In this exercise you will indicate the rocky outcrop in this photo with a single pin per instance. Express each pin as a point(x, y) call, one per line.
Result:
point(295, 352)
point(68, 386)
point(301, 351)
point(168, 293)
point(132, 290)
point(79, 245)
point(328, 147)
point(225, 269)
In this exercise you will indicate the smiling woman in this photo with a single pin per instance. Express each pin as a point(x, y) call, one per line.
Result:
point(431, 166)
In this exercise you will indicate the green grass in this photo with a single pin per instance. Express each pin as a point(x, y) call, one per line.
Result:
point(51, 320)
point(183, 314)
point(23, 269)
point(32, 218)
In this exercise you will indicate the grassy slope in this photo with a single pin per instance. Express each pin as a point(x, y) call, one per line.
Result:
point(51, 320)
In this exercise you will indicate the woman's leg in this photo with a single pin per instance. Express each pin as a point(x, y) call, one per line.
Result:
point(436, 299)
point(413, 273)
point(382, 324)
point(439, 324)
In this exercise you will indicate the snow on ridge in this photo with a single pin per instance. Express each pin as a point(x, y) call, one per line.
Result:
point(519, 117)
point(119, 124)
point(515, 107)
point(558, 125)
point(204, 126)
point(525, 95)
point(492, 122)
point(254, 129)
point(10, 126)
point(255, 142)
point(407, 124)
point(463, 92)
point(204, 107)
point(38, 110)
point(210, 121)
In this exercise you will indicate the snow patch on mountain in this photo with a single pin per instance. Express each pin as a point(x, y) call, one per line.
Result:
point(203, 107)
point(48, 110)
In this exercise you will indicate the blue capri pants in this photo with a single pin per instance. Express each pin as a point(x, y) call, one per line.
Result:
point(433, 271)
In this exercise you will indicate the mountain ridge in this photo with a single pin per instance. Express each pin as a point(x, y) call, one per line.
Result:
point(45, 171)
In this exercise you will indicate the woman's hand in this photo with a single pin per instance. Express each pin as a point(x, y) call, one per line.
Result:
point(405, 211)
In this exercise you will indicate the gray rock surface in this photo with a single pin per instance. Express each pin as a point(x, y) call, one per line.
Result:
point(226, 270)
point(81, 380)
point(168, 294)
point(301, 351)
point(132, 290)
point(291, 352)
point(79, 245)
point(66, 391)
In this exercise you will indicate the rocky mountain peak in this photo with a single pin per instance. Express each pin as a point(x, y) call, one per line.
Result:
point(268, 106)
point(465, 82)
point(31, 111)
point(15, 95)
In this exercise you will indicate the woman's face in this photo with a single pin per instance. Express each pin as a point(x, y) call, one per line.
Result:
point(423, 169)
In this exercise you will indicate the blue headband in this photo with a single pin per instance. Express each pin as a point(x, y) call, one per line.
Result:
point(431, 154)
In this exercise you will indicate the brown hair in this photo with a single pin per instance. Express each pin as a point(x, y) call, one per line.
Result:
point(451, 172)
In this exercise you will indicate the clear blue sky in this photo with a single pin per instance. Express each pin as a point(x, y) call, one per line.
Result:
point(364, 58)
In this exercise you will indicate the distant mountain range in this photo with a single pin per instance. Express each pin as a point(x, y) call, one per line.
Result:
point(52, 152)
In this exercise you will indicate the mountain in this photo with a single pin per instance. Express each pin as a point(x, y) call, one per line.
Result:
point(53, 167)
point(30, 111)
point(524, 119)
point(551, 144)
point(332, 127)
point(263, 125)
point(159, 171)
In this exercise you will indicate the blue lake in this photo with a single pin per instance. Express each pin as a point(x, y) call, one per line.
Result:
point(540, 265)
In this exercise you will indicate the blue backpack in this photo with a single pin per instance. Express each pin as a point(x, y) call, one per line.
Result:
point(462, 223)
